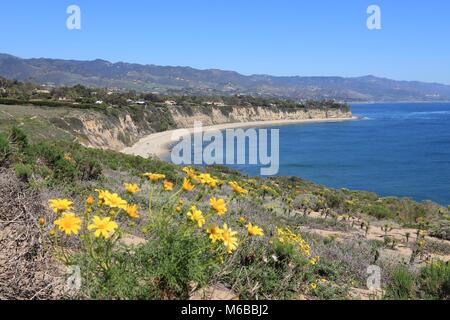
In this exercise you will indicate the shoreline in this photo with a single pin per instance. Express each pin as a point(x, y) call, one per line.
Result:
point(158, 144)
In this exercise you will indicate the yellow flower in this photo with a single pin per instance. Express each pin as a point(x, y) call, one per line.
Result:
point(187, 185)
point(131, 188)
point(197, 216)
point(67, 157)
point(90, 200)
point(314, 261)
point(103, 227)
point(60, 205)
point(190, 172)
point(41, 221)
point(323, 280)
point(313, 286)
point(113, 200)
point(167, 185)
point(219, 206)
point(229, 239)
point(178, 209)
point(215, 233)
point(254, 231)
point(242, 220)
point(69, 223)
point(132, 211)
point(237, 188)
point(101, 195)
point(286, 236)
point(154, 177)
point(206, 178)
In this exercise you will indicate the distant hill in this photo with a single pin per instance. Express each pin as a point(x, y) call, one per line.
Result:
point(186, 80)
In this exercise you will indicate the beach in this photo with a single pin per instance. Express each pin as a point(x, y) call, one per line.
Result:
point(158, 144)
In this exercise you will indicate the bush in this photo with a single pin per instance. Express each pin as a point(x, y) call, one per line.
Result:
point(378, 211)
point(89, 169)
point(19, 138)
point(5, 149)
point(23, 171)
point(435, 280)
point(401, 286)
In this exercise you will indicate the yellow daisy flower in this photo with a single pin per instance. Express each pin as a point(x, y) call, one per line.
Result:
point(103, 227)
point(167, 185)
point(314, 261)
point(237, 188)
point(69, 223)
point(219, 206)
point(206, 178)
point(131, 188)
point(229, 239)
point(215, 233)
point(189, 172)
point(60, 205)
point(187, 185)
point(101, 195)
point(113, 200)
point(254, 231)
point(132, 211)
point(197, 216)
point(154, 177)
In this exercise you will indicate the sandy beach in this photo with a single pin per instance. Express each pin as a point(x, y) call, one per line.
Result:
point(158, 144)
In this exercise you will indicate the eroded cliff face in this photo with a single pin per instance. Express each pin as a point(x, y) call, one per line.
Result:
point(123, 129)
point(186, 118)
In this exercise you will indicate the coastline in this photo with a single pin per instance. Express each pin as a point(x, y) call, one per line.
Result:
point(158, 144)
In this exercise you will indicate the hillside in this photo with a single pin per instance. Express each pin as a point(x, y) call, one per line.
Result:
point(185, 80)
point(202, 233)
point(141, 228)
point(115, 120)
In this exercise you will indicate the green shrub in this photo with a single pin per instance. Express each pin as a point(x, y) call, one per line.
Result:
point(19, 138)
point(434, 280)
point(5, 149)
point(401, 286)
point(89, 169)
point(378, 211)
point(23, 171)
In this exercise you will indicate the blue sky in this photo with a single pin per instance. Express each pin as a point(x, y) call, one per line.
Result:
point(278, 37)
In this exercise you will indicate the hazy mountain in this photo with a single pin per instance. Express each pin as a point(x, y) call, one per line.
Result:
point(163, 79)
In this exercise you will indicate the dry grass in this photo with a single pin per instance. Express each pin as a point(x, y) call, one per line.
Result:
point(26, 270)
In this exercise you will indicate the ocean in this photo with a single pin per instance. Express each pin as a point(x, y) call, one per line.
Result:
point(394, 150)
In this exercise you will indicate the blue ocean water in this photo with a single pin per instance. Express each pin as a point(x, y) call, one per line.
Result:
point(395, 150)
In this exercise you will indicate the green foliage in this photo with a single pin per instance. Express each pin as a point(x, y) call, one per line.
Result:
point(401, 286)
point(5, 149)
point(19, 138)
point(434, 280)
point(378, 211)
point(23, 171)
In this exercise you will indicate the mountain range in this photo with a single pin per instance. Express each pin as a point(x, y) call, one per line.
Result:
point(186, 80)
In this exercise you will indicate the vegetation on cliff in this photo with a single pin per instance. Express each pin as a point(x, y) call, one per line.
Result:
point(155, 230)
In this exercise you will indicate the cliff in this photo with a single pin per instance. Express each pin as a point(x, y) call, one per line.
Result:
point(126, 129)
point(118, 128)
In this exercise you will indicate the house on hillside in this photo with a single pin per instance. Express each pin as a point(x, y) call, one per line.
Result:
point(170, 103)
